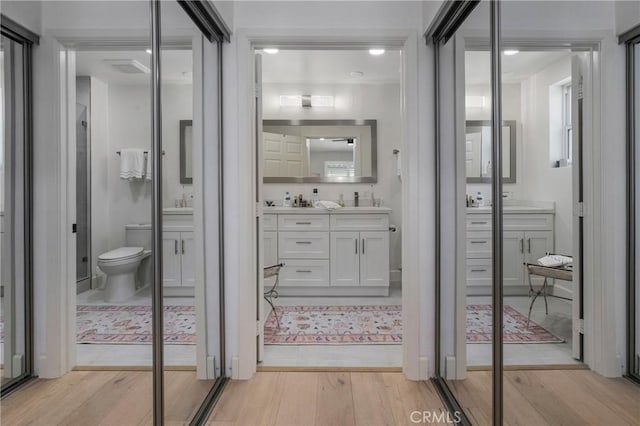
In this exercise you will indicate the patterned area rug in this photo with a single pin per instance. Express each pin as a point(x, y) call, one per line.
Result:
point(515, 327)
point(372, 325)
point(131, 325)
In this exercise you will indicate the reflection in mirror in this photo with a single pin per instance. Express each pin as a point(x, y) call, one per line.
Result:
point(478, 151)
point(186, 160)
point(319, 151)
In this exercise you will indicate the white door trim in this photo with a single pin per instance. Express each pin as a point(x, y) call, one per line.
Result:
point(241, 265)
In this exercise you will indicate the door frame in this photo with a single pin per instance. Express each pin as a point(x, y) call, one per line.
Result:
point(416, 331)
point(596, 299)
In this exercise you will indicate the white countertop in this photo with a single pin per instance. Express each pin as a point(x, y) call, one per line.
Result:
point(512, 209)
point(313, 210)
point(177, 210)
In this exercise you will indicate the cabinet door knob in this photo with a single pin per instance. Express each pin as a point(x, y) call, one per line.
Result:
point(182, 246)
point(356, 241)
point(175, 246)
point(521, 245)
point(363, 246)
point(529, 244)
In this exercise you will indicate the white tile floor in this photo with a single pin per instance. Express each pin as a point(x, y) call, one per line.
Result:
point(132, 355)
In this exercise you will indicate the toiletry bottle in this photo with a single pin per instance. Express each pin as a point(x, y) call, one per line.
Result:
point(341, 200)
point(479, 199)
point(315, 197)
point(355, 199)
point(287, 200)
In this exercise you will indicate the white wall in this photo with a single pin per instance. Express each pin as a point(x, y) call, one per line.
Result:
point(26, 13)
point(540, 181)
point(129, 127)
point(379, 102)
point(627, 15)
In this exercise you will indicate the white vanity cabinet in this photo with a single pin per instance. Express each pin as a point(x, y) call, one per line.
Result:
point(360, 258)
point(341, 253)
point(178, 263)
point(528, 235)
point(178, 252)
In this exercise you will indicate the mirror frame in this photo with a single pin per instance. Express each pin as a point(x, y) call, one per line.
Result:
point(512, 142)
point(184, 179)
point(312, 179)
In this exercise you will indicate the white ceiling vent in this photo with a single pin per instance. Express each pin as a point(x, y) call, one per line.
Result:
point(128, 66)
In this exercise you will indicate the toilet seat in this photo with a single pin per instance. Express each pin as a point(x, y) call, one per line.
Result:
point(122, 253)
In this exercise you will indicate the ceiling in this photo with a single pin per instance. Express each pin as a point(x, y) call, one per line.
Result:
point(330, 66)
point(515, 68)
point(177, 66)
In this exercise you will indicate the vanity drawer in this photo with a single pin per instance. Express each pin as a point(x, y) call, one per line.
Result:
point(479, 222)
point(303, 222)
point(528, 222)
point(303, 245)
point(359, 222)
point(479, 245)
point(479, 272)
point(304, 273)
point(270, 222)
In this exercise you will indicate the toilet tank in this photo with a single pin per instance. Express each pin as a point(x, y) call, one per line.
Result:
point(138, 235)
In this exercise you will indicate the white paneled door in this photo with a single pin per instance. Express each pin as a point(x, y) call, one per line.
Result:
point(374, 258)
point(345, 258)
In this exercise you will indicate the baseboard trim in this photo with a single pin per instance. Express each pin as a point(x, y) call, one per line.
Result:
point(525, 367)
point(131, 368)
point(274, 369)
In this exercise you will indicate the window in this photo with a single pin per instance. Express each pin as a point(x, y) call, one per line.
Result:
point(567, 131)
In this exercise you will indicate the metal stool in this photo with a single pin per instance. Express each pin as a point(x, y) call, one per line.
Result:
point(272, 293)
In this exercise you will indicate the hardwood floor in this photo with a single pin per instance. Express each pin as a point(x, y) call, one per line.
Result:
point(91, 398)
point(315, 398)
point(567, 397)
point(534, 397)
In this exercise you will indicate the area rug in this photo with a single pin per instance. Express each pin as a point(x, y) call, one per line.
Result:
point(515, 327)
point(365, 325)
point(131, 325)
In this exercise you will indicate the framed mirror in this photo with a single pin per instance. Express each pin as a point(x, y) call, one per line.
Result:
point(478, 151)
point(320, 151)
point(186, 160)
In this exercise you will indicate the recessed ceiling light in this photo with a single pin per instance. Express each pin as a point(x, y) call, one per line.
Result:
point(271, 50)
point(376, 52)
point(356, 74)
point(148, 51)
point(511, 52)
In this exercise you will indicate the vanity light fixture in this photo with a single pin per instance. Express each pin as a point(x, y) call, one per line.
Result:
point(306, 101)
point(271, 50)
point(376, 52)
point(511, 52)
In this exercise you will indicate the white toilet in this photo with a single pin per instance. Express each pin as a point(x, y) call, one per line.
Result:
point(123, 265)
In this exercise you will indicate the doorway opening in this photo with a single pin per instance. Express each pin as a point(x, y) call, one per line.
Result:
point(328, 182)
point(542, 98)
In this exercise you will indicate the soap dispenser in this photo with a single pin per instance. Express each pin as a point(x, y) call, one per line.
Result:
point(355, 199)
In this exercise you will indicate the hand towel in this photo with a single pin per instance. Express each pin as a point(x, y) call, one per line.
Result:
point(132, 163)
point(148, 168)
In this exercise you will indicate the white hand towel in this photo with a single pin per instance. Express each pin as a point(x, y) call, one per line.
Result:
point(131, 164)
point(149, 166)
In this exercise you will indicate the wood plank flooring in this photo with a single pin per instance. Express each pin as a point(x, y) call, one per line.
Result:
point(91, 398)
point(573, 397)
point(557, 397)
point(324, 398)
